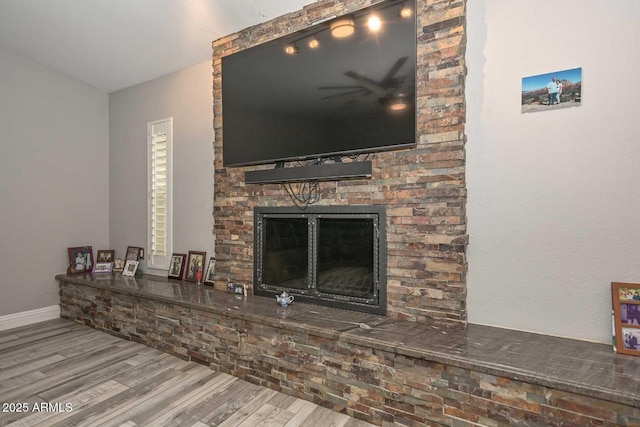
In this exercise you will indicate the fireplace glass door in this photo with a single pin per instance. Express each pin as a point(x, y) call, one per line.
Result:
point(323, 256)
point(345, 257)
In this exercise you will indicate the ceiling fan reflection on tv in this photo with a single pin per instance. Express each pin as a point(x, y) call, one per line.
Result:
point(392, 91)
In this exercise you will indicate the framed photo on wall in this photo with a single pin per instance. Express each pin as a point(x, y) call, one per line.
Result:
point(552, 91)
point(626, 317)
point(80, 259)
point(195, 262)
point(211, 269)
point(176, 266)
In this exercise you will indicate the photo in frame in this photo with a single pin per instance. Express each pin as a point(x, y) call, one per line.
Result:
point(211, 269)
point(80, 259)
point(106, 256)
point(625, 299)
point(176, 266)
point(195, 263)
point(552, 91)
point(134, 253)
point(102, 267)
point(130, 268)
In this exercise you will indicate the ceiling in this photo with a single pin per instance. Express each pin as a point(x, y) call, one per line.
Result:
point(114, 44)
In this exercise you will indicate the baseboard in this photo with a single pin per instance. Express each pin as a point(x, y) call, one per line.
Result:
point(25, 318)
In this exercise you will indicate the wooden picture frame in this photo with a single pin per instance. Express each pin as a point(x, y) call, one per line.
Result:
point(211, 269)
point(176, 266)
point(625, 299)
point(195, 260)
point(134, 253)
point(80, 259)
point(105, 256)
point(130, 268)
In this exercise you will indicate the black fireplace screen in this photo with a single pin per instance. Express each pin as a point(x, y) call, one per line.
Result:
point(323, 255)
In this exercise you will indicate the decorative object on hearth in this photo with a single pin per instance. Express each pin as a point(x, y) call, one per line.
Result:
point(199, 274)
point(118, 265)
point(80, 259)
point(230, 287)
point(176, 266)
point(130, 268)
point(626, 317)
point(195, 260)
point(211, 268)
point(284, 299)
point(102, 267)
point(240, 290)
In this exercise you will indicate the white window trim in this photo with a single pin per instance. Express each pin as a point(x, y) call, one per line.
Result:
point(160, 262)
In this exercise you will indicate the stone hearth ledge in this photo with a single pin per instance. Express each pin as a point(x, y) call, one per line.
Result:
point(574, 366)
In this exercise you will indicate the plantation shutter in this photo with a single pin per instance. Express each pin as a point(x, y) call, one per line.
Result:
point(159, 151)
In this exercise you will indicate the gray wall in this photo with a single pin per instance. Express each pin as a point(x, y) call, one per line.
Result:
point(187, 97)
point(54, 185)
point(553, 195)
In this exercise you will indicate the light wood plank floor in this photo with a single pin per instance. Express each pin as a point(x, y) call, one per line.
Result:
point(59, 373)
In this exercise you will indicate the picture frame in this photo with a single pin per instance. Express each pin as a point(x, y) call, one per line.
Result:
point(134, 253)
point(130, 268)
point(211, 269)
point(105, 256)
point(102, 267)
point(195, 261)
point(80, 259)
point(176, 266)
point(625, 312)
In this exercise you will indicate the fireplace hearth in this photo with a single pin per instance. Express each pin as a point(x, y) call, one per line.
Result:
point(331, 256)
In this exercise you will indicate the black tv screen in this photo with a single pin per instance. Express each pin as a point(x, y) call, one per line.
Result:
point(335, 99)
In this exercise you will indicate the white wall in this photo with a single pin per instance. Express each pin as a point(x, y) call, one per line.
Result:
point(187, 97)
point(54, 185)
point(553, 196)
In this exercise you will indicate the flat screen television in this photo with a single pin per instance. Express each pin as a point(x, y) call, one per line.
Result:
point(314, 95)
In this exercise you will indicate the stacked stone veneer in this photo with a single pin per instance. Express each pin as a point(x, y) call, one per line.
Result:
point(370, 382)
point(423, 188)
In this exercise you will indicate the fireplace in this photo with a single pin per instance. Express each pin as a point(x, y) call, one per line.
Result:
point(332, 256)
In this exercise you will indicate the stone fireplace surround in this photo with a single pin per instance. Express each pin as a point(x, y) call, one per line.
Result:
point(423, 188)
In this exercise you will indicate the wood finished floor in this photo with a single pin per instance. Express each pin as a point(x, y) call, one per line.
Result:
point(108, 381)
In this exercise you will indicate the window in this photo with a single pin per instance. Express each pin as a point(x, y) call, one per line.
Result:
point(159, 213)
